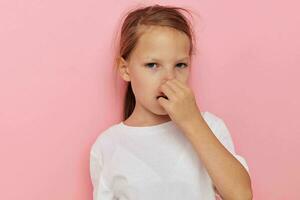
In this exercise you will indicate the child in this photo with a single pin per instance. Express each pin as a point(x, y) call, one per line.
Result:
point(165, 148)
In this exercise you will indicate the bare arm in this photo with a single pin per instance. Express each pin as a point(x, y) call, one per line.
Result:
point(228, 175)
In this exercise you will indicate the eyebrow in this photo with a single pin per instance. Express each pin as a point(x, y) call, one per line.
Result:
point(155, 59)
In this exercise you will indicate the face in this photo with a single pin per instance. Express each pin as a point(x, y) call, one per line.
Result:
point(161, 53)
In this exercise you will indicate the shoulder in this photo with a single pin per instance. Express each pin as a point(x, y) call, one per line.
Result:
point(105, 138)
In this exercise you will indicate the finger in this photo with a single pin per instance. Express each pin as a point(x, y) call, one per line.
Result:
point(163, 101)
point(175, 87)
point(180, 84)
point(168, 91)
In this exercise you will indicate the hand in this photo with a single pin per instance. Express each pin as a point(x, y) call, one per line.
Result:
point(181, 104)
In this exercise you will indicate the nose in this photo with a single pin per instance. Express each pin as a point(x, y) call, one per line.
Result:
point(170, 74)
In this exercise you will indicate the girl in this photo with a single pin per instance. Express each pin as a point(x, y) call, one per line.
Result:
point(166, 148)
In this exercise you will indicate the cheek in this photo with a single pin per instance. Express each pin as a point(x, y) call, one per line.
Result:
point(183, 76)
point(142, 87)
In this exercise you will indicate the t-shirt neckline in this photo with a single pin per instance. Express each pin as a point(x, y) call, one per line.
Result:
point(151, 129)
point(157, 127)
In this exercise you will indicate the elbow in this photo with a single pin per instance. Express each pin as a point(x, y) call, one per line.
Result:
point(248, 195)
point(245, 195)
point(246, 192)
point(249, 192)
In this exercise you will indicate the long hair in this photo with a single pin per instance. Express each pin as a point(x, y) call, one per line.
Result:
point(156, 15)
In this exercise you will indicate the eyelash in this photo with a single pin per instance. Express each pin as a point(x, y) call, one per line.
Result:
point(185, 65)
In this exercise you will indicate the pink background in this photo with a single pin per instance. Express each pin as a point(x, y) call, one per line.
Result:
point(58, 91)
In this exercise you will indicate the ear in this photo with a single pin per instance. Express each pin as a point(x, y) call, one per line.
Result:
point(123, 69)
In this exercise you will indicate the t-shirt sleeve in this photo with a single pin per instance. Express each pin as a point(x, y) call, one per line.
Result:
point(221, 131)
point(100, 190)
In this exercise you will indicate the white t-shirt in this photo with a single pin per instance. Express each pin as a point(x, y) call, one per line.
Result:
point(153, 163)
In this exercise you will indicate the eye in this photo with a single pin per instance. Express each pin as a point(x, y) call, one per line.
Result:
point(150, 64)
point(179, 64)
point(185, 65)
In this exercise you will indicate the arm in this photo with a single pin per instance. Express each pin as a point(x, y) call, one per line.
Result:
point(230, 178)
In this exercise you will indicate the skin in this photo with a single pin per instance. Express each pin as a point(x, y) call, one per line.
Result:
point(229, 177)
point(167, 45)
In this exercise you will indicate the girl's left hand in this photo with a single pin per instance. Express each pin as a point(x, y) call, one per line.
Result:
point(181, 104)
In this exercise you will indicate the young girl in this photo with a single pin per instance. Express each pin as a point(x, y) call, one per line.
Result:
point(166, 148)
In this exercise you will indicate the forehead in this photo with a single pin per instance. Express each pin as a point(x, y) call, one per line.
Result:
point(159, 41)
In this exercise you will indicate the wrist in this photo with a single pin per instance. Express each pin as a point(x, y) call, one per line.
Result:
point(191, 125)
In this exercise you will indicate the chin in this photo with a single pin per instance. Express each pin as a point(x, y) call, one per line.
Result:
point(159, 111)
point(156, 108)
